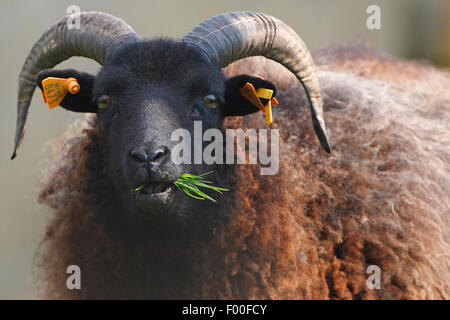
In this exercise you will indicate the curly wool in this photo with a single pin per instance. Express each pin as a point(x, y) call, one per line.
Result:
point(310, 232)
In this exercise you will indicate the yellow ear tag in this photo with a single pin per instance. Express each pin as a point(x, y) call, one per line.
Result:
point(249, 93)
point(55, 89)
point(266, 94)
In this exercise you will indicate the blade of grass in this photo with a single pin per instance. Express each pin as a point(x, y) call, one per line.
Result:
point(204, 174)
point(190, 183)
point(187, 192)
point(199, 184)
point(197, 191)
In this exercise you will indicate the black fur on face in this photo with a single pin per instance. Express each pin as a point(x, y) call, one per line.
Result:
point(141, 95)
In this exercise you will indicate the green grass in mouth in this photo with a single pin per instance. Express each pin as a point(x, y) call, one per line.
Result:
point(191, 184)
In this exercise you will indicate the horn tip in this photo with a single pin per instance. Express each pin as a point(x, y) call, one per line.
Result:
point(321, 135)
point(17, 144)
point(325, 146)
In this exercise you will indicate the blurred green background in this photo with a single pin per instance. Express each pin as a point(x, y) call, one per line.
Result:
point(409, 28)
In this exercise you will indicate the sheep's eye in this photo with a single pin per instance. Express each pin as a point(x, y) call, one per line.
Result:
point(211, 100)
point(103, 101)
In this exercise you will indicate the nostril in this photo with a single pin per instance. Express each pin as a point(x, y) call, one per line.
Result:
point(138, 156)
point(142, 155)
point(155, 155)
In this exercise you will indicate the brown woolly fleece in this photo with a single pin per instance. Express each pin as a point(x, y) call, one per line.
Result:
point(382, 197)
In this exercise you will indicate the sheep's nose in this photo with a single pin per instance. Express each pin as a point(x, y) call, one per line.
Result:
point(140, 156)
point(155, 155)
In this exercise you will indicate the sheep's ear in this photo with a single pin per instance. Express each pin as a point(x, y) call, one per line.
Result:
point(235, 104)
point(78, 102)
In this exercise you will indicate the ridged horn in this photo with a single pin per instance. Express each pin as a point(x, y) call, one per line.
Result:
point(232, 36)
point(97, 36)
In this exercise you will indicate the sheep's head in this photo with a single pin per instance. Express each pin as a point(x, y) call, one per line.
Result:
point(148, 89)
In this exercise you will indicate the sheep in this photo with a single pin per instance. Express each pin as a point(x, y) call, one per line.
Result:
point(309, 232)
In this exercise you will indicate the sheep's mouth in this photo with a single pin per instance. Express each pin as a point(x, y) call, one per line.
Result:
point(155, 187)
point(153, 194)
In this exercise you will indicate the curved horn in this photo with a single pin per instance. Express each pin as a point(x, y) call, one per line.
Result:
point(232, 36)
point(99, 34)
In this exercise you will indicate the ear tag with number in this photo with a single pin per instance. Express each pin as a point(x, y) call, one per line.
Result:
point(249, 93)
point(55, 89)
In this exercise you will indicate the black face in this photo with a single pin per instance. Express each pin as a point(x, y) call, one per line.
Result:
point(142, 95)
point(141, 105)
